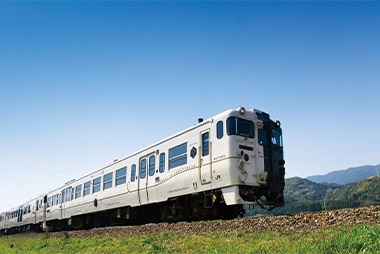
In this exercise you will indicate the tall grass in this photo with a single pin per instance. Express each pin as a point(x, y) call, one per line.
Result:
point(358, 239)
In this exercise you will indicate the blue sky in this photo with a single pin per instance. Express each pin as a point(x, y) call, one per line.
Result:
point(83, 83)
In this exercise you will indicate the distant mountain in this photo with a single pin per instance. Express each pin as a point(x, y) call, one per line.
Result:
point(349, 175)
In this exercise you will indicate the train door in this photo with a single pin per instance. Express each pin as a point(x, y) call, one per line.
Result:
point(66, 196)
point(205, 157)
point(265, 142)
point(62, 205)
point(19, 217)
point(142, 182)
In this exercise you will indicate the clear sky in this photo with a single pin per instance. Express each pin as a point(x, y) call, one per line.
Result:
point(83, 83)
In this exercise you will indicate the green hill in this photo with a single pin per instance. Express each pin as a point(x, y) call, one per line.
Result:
point(302, 195)
point(363, 193)
point(299, 189)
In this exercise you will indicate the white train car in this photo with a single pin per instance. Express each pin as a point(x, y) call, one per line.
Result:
point(209, 170)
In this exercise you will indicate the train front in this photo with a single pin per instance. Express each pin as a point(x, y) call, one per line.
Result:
point(262, 163)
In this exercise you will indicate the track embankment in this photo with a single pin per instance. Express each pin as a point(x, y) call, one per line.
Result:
point(302, 222)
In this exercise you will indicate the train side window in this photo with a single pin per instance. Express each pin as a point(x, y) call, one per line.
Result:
point(152, 165)
point(107, 181)
point(205, 144)
point(143, 169)
point(219, 130)
point(121, 176)
point(96, 184)
point(133, 173)
point(178, 156)
point(78, 191)
point(86, 188)
point(162, 162)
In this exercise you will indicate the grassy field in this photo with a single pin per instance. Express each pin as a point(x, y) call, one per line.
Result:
point(358, 239)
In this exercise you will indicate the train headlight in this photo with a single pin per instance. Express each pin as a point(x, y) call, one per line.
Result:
point(278, 123)
point(242, 110)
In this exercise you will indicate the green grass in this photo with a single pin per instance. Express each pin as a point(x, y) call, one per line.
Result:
point(358, 239)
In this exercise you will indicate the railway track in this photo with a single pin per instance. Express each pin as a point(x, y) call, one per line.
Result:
point(302, 222)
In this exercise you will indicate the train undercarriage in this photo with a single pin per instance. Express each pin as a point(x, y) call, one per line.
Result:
point(195, 207)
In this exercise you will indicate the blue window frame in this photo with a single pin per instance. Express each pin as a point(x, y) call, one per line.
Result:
point(96, 184)
point(205, 144)
point(162, 162)
point(178, 156)
point(78, 191)
point(219, 130)
point(152, 165)
point(107, 181)
point(133, 173)
point(86, 188)
point(143, 168)
point(121, 176)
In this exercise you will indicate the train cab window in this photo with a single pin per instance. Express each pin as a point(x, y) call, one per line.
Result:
point(205, 144)
point(133, 173)
point(121, 176)
point(143, 169)
point(262, 137)
point(107, 181)
point(276, 138)
point(78, 191)
point(219, 130)
point(178, 156)
point(162, 162)
point(240, 127)
point(96, 184)
point(86, 188)
point(152, 165)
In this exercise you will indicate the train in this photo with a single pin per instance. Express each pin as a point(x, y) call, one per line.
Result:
point(211, 170)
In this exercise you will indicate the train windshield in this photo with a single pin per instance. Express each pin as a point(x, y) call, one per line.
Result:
point(276, 138)
point(240, 127)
